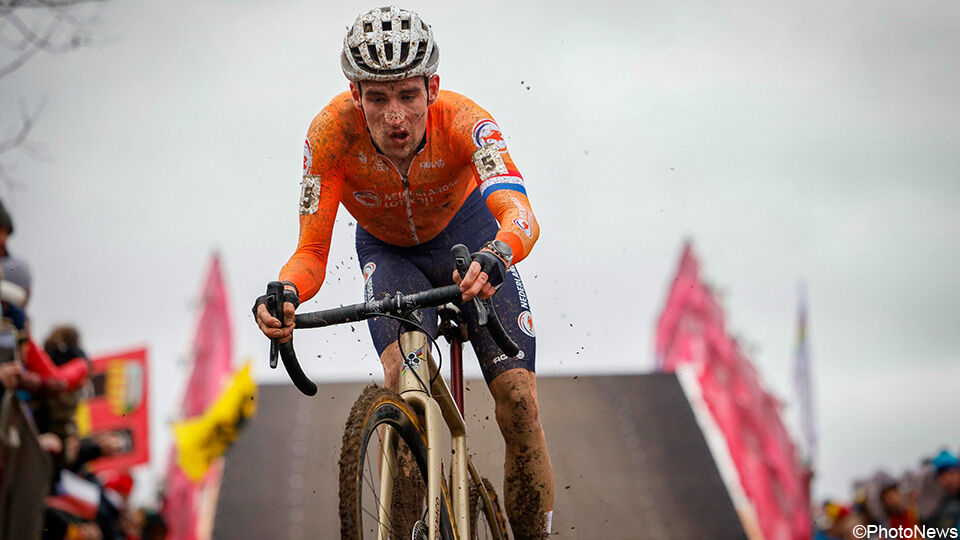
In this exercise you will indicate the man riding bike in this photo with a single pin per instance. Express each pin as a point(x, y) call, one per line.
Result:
point(422, 169)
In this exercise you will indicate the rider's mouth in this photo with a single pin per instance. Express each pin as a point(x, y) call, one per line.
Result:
point(400, 137)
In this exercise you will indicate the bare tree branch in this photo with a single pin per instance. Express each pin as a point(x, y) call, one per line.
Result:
point(39, 43)
point(46, 3)
point(63, 32)
point(28, 120)
point(28, 27)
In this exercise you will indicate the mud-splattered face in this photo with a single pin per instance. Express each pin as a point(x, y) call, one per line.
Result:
point(396, 113)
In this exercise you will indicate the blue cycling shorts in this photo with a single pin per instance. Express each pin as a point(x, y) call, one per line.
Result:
point(388, 269)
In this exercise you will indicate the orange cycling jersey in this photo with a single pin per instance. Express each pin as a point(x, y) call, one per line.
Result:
point(463, 150)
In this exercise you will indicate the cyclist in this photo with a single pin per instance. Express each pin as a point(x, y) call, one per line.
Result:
point(422, 169)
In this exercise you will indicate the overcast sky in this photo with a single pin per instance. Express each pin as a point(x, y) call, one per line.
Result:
point(817, 140)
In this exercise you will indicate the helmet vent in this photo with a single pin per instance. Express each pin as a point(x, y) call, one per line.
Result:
point(388, 44)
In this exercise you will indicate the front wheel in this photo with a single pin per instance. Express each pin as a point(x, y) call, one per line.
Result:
point(486, 520)
point(377, 410)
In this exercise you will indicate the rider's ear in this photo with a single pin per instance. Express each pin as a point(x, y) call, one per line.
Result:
point(355, 93)
point(433, 89)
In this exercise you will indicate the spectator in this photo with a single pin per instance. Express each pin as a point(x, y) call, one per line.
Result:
point(56, 412)
point(947, 467)
point(15, 269)
point(831, 522)
point(848, 526)
point(896, 510)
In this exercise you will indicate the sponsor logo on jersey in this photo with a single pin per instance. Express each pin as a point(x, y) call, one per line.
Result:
point(521, 210)
point(521, 292)
point(368, 270)
point(524, 226)
point(435, 164)
point(502, 357)
point(488, 132)
point(307, 157)
point(367, 198)
point(309, 194)
point(525, 321)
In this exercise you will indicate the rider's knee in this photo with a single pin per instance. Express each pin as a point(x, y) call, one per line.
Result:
point(518, 414)
point(392, 362)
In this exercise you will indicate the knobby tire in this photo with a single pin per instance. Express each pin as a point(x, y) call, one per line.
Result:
point(359, 479)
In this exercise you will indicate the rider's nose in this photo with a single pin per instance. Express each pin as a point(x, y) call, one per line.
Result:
point(393, 116)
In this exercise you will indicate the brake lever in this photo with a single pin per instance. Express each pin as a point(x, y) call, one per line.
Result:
point(274, 303)
point(462, 260)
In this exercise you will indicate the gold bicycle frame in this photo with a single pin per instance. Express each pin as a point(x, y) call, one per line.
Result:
point(439, 412)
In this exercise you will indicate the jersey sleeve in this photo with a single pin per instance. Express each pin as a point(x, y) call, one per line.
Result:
point(320, 191)
point(501, 184)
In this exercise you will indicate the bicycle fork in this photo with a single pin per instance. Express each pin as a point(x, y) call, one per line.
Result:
point(437, 409)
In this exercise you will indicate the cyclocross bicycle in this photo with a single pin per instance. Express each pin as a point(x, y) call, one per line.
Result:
point(392, 481)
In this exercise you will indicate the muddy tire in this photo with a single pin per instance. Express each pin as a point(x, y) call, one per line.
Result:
point(378, 409)
point(486, 522)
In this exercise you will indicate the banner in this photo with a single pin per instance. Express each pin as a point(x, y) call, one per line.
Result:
point(691, 334)
point(119, 404)
point(189, 505)
point(200, 440)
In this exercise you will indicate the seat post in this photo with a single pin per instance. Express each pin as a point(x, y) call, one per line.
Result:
point(453, 328)
point(456, 373)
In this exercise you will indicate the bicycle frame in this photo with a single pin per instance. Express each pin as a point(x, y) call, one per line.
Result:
point(440, 412)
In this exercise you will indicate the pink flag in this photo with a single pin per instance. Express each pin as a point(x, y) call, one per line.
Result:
point(212, 352)
point(188, 518)
point(691, 331)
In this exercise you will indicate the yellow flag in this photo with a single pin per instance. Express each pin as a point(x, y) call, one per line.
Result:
point(203, 438)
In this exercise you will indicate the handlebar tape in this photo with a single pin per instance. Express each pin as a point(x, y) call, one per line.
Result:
point(290, 363)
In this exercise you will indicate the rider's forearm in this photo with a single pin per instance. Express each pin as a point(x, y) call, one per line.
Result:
point(306, 270)
point(318, 211)
point(518, 226)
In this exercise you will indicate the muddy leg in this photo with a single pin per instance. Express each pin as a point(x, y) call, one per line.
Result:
point(528, 475)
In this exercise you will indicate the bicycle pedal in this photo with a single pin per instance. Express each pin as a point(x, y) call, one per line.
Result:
point(419, 531)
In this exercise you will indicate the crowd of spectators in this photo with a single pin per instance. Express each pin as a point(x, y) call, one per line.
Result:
point(926, 498)
point(48, 382)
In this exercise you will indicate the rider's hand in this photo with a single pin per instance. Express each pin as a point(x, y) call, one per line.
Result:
point(270, 325)
point(477, 281)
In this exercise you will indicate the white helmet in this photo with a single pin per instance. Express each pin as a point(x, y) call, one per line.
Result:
point(389, 44)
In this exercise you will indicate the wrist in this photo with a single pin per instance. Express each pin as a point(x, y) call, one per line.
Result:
point(291, 286)
point(502, 250)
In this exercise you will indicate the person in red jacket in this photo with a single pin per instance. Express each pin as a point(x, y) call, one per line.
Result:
point(68, 376)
